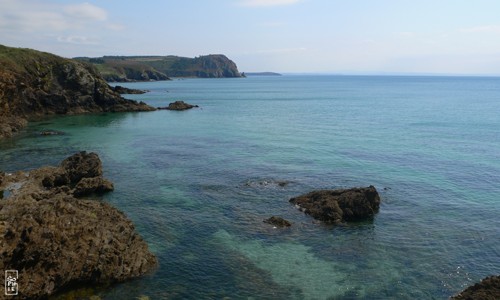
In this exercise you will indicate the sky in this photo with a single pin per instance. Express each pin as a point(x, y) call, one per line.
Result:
point(292, 36)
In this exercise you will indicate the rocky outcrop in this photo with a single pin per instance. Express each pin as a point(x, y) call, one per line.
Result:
point(278, 222)
point(34, 84)
point(337, 206)
point(178, 105)
point(487, 289)
point(123, 90)
point(56, 240)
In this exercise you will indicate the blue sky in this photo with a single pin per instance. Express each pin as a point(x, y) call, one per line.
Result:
point(331, 36)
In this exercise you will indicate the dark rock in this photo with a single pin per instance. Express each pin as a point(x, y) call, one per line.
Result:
point(178, 105)
point(57, 178)
point(487, 289)
point(123, 90)
point(57, 241)
point(2, 175)
point(337, 206)
point(267, 183)
point(51, 132)
point(82, 165)
point(278, 222)
point(87, 186)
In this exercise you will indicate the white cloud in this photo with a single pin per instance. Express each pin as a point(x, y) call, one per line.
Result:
point(86, 11)
point(255, 3)
point(482, 29)
point(35, 16)
point(78, 40)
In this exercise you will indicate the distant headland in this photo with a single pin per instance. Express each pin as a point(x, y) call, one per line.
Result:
point(151, 68)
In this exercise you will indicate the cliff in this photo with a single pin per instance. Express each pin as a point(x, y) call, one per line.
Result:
point(145, 68)
point(34, 83)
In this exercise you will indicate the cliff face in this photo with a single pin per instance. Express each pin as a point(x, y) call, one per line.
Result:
point(145, 68)
point(34, 83)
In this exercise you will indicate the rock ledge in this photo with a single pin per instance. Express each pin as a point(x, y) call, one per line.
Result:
point(57, 241)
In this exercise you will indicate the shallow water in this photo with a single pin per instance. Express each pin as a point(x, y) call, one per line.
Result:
point(199, 183)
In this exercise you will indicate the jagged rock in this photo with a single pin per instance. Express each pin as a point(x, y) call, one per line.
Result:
point(58, 177)
point(123, 90)
point(82, 165)
point(178, 105)
point(337, 206)
point(87, 186)
point(56, 241)
point(487, 289)
point(278, 222)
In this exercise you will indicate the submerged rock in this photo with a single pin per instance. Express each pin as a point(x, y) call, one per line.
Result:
point(57, 241)
point(487, 289)
point(51, 132)
point(178, 105)
point(267, 183)
point(278, 222)
point(337, 206)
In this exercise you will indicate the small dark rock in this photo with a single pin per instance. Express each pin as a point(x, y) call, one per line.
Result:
point(88, 186)
point(487, 289)
point(278, 222)
point(178, 105)
point(51, 132)
point(123, 90)
point(337, 206)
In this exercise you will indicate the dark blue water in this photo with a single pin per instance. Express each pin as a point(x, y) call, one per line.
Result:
point(199, 183)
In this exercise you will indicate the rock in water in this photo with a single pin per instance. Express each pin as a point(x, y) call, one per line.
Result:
point(337, 206)
point(487, 289)
point(57, 241)
point(178, 105)
point(278, 222)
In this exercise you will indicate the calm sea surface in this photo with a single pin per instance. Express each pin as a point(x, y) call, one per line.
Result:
point(199, 183)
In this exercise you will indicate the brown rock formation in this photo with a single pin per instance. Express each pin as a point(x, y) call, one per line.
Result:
point(337, 206)
point(56, 241)
point(487, 289)
point(178, 105)
point(278, 222)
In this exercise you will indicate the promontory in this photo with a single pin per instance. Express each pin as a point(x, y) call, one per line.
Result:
point(35, 84)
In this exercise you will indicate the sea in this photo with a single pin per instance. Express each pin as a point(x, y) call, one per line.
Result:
point(198, 183)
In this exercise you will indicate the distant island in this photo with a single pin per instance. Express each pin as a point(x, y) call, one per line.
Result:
point(151, 68)
point(261, 74)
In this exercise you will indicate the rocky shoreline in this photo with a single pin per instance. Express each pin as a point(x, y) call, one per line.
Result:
point(56, 239)
point(487, 289)
point(34, 84)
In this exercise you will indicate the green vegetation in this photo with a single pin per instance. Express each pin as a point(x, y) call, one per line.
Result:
point(144, 68)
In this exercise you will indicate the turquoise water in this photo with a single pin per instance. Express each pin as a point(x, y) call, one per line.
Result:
point(199, 183)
